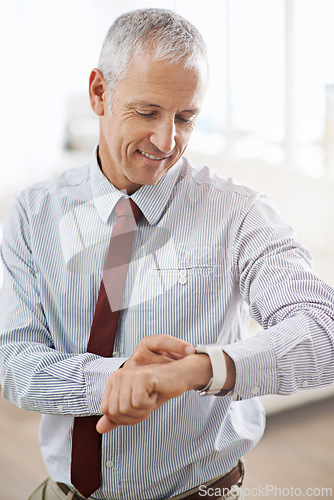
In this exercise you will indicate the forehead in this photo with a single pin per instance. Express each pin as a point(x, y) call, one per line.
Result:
point(148, 78)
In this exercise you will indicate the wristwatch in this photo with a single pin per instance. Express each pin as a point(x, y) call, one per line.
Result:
point(217, 358)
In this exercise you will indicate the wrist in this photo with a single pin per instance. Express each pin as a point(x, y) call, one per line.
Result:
point(218, 379)
point(198, 369)
point(223, 370)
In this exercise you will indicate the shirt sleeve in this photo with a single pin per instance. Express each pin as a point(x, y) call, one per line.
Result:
point(295, 349)
point(33, 374)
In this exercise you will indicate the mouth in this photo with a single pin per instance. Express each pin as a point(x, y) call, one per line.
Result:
point(151, 157)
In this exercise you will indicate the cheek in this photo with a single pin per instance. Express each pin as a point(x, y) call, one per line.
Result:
point(184, 139)
point(130, 134)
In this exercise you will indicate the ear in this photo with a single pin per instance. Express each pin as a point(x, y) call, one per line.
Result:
point(98, 91)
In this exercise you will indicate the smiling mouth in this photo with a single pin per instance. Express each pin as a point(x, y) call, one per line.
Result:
point(151, 157)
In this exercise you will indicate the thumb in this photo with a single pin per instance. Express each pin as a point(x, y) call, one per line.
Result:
point(105, 425)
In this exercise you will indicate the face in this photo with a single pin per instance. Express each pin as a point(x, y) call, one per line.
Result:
point(153, 113)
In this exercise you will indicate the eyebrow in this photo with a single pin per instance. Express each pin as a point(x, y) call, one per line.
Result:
point(194, 111)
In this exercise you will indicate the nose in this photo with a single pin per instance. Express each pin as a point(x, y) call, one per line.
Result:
point(163, 136)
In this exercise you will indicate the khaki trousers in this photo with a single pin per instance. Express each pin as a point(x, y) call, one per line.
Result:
point(48, 490)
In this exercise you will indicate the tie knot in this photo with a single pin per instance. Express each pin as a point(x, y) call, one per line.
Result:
point(126, 207)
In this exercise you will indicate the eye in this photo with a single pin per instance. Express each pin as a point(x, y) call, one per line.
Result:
point(145, 115)
point(187, 121)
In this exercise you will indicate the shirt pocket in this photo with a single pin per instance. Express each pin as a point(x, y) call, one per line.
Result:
point(184, 302)
point(186, 280)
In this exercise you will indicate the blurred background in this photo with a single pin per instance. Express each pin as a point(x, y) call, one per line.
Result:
point(268, 120)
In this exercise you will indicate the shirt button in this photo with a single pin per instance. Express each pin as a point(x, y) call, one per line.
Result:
point(183, 272)
point(116, 354)
point(60, 407)
point(255, 390)
point(183, 280)
point(305, 383)
point(109, 464)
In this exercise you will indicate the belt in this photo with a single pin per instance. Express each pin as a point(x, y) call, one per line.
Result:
point(217, 489)
point(222, 485)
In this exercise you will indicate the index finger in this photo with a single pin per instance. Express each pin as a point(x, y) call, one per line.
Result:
point(168, 346)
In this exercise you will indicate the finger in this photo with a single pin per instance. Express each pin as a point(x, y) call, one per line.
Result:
point(105, 400)
point(171, 356)
point(135, 397)
point(117, 403)
point(142, 397)
point(105, 425)
point(130, 408)
point(110, 399)
point(110, 395)
point(168, 345)
point(106, 396)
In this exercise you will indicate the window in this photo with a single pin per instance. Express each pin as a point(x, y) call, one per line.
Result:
point(270, 95)
point(275, 87)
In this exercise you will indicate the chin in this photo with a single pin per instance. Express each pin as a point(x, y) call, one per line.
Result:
point(149, 179)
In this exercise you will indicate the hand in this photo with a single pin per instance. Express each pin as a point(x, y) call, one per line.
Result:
point(133, 392)
point(157, 349)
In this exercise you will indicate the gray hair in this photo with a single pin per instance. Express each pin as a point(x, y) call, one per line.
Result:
point(163, 32)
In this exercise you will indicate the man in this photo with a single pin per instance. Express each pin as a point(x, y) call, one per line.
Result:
point(206, 252)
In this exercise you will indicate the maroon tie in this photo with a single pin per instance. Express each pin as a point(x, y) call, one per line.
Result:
point(85, 466)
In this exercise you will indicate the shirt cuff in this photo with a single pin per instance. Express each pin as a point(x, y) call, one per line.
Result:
point(255, 364)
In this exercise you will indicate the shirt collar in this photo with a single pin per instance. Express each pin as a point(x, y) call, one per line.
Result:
point(150, 199)
point(105, 194)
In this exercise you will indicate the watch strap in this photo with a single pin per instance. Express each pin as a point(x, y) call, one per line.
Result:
point(218, 364)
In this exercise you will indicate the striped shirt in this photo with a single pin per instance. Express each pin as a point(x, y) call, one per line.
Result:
point(207, 253)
